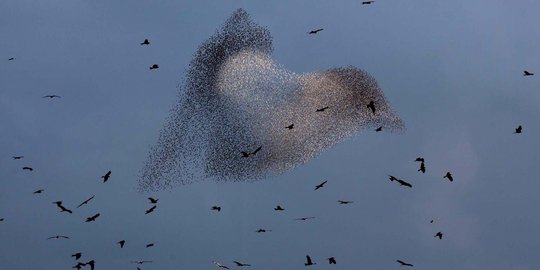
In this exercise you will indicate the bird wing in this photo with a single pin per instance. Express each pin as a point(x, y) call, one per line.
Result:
point(308, 259)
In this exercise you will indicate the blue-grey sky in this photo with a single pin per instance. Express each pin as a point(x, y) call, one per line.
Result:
point(451, 69)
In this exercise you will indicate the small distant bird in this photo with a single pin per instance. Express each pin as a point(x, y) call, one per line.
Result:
point(518, 129)
point(86, 201)
point(18, 157)
point(152, 200)
point(403, 183)
point(379, 129)
point(77, 256)
point(140, 262)
point(58, 237)
point(247, 154)
point(106, 176)
point(154, 66)
point(322, 109)
point(27, 169)
point(526, 73)
point(241, 264)
point(315, 31)
point(345, 202)
point(403, 263)
point(79, 265)
point(62, 208)
point(320, 185)
point(449, 176)
point(220, 265)
point(39, 191)
point(122, 243)
point(304, 218)
point(422, 168)
point(92, 218)
point(216, 208)
point(439, 234)
point(291, 126)
point(392, 178)
point(371, 105)
point(262, 230)
point(419, 159)
point(309, 262)
point(367, 2)
point(92, 264)
point(279, 208)
point(1, 219)
point(149, 245)
point(332, 260)
point(431, 221)
point(51, 96)
point(11, 59)
point(150, 210)
point(145, 42)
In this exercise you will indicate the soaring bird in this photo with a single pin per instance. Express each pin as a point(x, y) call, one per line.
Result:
point(26, 168)
point(86, 201)
point(367, 2)
point(449, 176)
point(304, 218)
point(332, 260)
point(154, 66)
point(320, 185)
point(518, 129)
point(216, 208)
point(241, 264)
point(77, 256)
point(1, 219)
point(379, 129)
point(92, 264)
point(140, 262)
point(152, 200)
point(122, 243)
point(422, 168)
point(145, 42)
point(18, 157)
point(149, 245)
point(92, 218)
point(439, 234)
point(526, 73)
point(392, 178)
point(150, 210)
point(79, 265)
point(371, 105)
point(315, 31)
point(344, 202)
point(11, 59)
point(106, 176)
point(58, 237)
point(279, 208)
point(403, 183)
point(322, 109)
point(39, 191)
point(262, 230)
point(51, 96)
point(403, 263)
point(62, 208)
point(217, 264)
point(309, 262)
point(291, 126)
point(247, 154)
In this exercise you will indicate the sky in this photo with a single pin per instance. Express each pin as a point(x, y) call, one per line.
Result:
point(451, 69)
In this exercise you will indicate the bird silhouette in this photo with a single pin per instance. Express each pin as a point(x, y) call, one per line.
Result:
point(403, 263)
point(518, 129)
point(332, 260)
point(449, 176)
point(419, 159)
point(92, 218)
point(1, 219)
point(145, 42)
point(11, 59)
point(106, 176)
point(62, 208)
point(304, 218)
point(241, 264)
point(345, 202)
point(262, 230)
point(247, 154)
point(322, 109)
point(320, 185)
point(367, 2)
point(371, 105)
point(140, 262)
point(17, 157)
point(216, 208)
point(439, 234)
point(51, 96)
point(150, 210)
point(154, 66)
point(291, 126)
point(79, 265)
point(431, 221)
point(379, 129)
point(217, 264)
point(149, 245)
point(39, 191)
point(404, 183)
point(27, 168)
point(86, 201)
point(315, 31)
point(392, 178)
point(527, 73)
point(122, 243)
point(279, 208)
point(77, 256)
point(92, 264)
point(58, 237)
point(152, 200)
point(309, 262)
point(422, 168)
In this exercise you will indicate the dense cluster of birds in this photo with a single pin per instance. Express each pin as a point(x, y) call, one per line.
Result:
point(240, 34)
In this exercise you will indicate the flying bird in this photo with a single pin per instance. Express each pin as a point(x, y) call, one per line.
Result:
point(371, 105)
point(216, 208)
point(392, 178)
point(62, 208)
point(304, 218)
point(247, 154)
point(379, 129)
point(18, 157)
point(145, 42)
point(79, 265)
point(422, 168)
point(279, 208)
point(58, 237)
point(122, 243)
point(315, 31)
point(403, 263)
point(220, 265)
point(140, 262)
point(291, 126)
point(449, 176)
point(309, 262)
point(86, 202)
point(527, 73)
point(152, 200)
point(419, 159)
point(92, 218)
point(345, 202)
point(106, 176)
point(149, 245)
point(439, 234)
point(241, 264)
point(262, 230)
point(404, 183)
point(367, 2)
point(150, 210)
point(77, 256)
point(1, 219)
point(332, 260)
point(27, 169)
point(51, 96)
point(518, 129)
point(322, 109)
point(39, 191)
point(320, 185)
point(11, 59)
point(92, 264)
point(154, 66)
